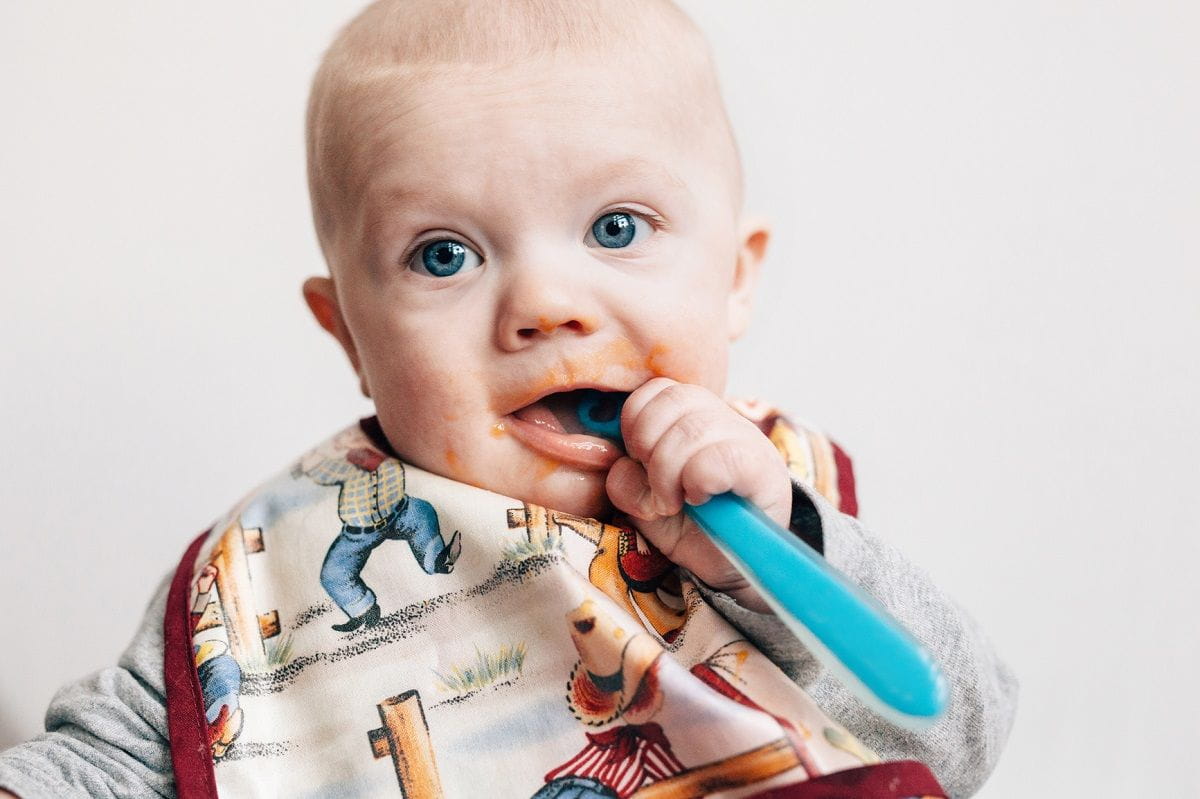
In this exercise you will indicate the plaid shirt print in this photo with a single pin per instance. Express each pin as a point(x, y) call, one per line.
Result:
point(367, 498)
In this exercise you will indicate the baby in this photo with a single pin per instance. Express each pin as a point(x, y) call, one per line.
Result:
point(519, 200)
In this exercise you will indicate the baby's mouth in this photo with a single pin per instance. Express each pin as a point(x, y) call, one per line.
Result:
point(551, 427)
point(558, 412)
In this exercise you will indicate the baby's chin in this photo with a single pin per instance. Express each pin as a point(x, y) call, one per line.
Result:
point(576, 492)
point(539, 481)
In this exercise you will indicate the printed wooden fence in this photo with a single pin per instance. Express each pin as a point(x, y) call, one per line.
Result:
point(541, 524)
point(247, 629)
point(405, 737)
point(738, 771)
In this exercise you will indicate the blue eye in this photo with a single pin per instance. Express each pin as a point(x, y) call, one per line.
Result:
point(445, 257)
point(618, 229)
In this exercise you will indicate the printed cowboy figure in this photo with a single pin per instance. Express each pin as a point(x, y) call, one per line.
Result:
point(614, 764)
point(617, 677)
point(373, 507)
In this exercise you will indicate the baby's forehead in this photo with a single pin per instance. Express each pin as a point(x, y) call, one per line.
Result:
point(566, 109)
point(503, 155)
point(488, 61)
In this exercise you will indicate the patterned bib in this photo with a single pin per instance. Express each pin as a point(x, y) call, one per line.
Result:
point(361, 627)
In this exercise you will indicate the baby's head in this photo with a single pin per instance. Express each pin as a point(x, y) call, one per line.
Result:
point(518, 199)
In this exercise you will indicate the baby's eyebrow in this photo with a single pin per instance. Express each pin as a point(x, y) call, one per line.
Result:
point(635, 168)
point(632, 168)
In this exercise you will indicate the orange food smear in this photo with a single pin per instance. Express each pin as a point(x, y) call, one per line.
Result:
point(657, 351)
point(498, 430)
point(619, 352)
point(546, 467)
point(456, 468)
point(590, 369)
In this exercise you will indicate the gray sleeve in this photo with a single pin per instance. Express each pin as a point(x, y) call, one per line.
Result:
point(962, 747)
point(106, 735)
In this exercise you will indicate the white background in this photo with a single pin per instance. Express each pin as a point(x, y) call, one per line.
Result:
point(983, 283)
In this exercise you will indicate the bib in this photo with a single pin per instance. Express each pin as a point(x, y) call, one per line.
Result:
point(358, 626)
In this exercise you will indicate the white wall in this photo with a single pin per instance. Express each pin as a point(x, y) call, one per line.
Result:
point(985, 267)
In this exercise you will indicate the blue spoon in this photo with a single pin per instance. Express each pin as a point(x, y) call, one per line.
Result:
point(847, 630)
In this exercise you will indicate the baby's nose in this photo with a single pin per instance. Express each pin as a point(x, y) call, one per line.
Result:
point(517, 335)
point(536, 310)
point(547, 326)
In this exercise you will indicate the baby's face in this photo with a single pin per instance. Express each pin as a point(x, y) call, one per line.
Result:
point(521, 235)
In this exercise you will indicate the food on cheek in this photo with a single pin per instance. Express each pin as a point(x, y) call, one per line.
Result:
point(454, 465)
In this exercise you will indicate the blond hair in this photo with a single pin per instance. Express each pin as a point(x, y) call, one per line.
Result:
point(401, 40)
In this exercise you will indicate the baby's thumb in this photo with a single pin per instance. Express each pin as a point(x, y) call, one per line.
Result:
point(629, 489)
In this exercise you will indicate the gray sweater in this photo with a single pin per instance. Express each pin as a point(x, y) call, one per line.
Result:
point(106, 735)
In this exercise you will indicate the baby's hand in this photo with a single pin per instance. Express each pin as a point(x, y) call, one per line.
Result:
point(684, 443)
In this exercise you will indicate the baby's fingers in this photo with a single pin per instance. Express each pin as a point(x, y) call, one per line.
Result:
point(716, 468)
point(652, 410)
point(691, 434)
point(729, 465)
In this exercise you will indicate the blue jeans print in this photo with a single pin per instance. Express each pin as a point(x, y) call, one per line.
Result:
point(220, 684)
point(414, 521)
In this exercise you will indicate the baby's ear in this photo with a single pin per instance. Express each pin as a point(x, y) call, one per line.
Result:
point(321, 295)
point(753, 236)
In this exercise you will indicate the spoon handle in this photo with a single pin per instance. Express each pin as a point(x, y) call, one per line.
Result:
point(847, 630)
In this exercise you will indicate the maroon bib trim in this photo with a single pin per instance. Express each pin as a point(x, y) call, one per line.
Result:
point(847, 499)
point(190, 752)
point(902, 779)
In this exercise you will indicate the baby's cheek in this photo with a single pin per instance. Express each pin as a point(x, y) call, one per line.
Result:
point(422, 403)
point(691, 339)
point(692, 357)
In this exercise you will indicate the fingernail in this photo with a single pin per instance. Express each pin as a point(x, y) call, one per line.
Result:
point(645, 504)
